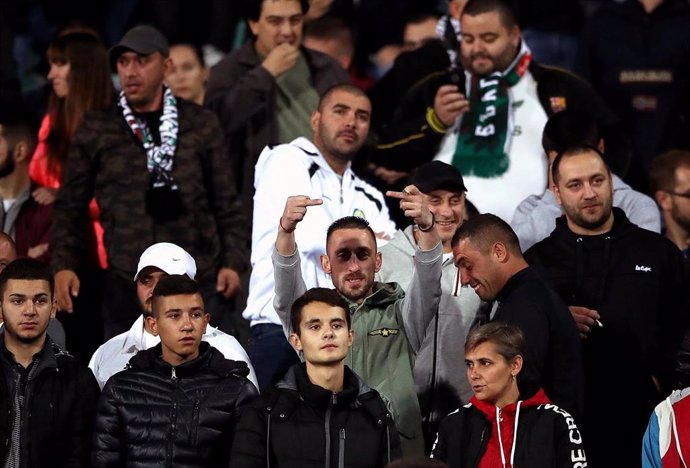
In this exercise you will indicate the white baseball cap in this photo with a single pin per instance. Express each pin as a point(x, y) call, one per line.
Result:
point(171, 258)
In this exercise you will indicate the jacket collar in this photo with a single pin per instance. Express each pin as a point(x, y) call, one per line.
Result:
point(621, 226)
point(47, 357)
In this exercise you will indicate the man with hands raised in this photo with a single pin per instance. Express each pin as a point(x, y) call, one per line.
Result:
point(389, 325)
point(319, 168)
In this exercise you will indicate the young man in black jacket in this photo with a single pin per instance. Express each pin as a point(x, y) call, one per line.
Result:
point(47, 398)
point(625, 288)
point(176, 404)
point(321, 413)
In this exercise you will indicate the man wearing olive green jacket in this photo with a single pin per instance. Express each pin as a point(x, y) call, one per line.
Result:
point(389, 325)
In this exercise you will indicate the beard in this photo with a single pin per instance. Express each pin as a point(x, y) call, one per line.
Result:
point(8, 167)
point(681, 218)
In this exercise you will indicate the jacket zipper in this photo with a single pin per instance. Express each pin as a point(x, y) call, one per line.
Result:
point(173, 424)
point(341, 449)
point(327, 429)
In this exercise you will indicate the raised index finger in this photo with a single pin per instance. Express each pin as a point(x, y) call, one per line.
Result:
point(313, 201)
point(398, 195)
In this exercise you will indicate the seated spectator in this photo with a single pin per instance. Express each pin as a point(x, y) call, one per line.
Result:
point(285, 427)
point(188, 74)
point(440, 388)
point(635, 54)
point(158, 261)
point(502, 426)
point(487, 119)
point(265, 91)
point(419, 30)
point(669, 180)
point(47, 398)
point(332, 36)
point(389, 324)
point(626, 290)
point(27, 221)
point(487, 253)
point(305, 169)
point(8, 254)
point(176, 403)
point(665, 443)
point(535, 217)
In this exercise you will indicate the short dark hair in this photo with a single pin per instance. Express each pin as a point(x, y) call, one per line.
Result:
point(252, 8)
point(349, 222)
point(332, 28)
point(325, 295)
point(346, 87)
point(484, 230)
point(508, 339)
point(569, 128)
point(19, 128)
point(503, 8)
point(575, 151)
point(173, 285)
point(26, 269)
point(662, 174)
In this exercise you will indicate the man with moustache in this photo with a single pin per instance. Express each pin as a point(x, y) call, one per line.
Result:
point(320, 169)
point(157, 169)
point(390, 324)
point(486, 118)
point(264, 92)
point(625, 289)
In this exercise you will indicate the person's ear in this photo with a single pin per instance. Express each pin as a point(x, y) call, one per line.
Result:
point(379, 262)
point(326, 264)
point(516, 365)
point(295, 341)
point(53, 308)
point(500, 252)
point(151, 325)
point(21, 152)
point(557, 192)
point(351, 337)
point(314, 120)
point(663, 198)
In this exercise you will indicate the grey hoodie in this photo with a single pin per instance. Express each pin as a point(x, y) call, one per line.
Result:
point(457, 309)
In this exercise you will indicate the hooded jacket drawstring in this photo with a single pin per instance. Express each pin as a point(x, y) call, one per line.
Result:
point(500, 439)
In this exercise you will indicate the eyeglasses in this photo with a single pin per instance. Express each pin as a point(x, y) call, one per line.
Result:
point(678, 194)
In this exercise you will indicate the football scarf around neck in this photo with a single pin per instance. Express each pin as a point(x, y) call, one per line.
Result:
point(485, 128)
point(159, 159)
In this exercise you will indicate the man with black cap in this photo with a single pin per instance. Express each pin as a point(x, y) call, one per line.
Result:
point(440, 387)
point(155, 164)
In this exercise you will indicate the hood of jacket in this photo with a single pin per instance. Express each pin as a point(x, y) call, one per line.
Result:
point(209, 359)
point(384, 295)
point(489, 410)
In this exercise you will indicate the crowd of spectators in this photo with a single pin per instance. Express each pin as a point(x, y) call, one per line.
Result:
point(275, 225)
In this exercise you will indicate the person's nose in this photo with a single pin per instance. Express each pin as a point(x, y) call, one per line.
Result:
point(588, 191)
point(464, 277)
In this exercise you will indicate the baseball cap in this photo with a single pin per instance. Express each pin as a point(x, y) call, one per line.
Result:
point(142, 40)
point(171, 258)
point(437, 175)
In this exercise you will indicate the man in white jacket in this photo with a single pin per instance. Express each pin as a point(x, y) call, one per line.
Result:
point(158, 260)
point(320, 169)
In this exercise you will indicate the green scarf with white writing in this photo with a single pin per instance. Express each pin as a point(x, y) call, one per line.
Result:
point(480, 150)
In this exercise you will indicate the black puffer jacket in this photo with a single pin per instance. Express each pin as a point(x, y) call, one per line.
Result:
point(58, 419)
point(304, 425)
point(154, 414)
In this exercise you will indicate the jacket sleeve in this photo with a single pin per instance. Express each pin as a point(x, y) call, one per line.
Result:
point(249, 447)
point(289, 285)
point(71, 212)
point(414, 135)
point(233, 227)
point(391, 444)
point(570, 451)
point(439, 451)
point(108, 433)
point(423, 296)
point(236, 95)
point(651, 457)
point(80, 428)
